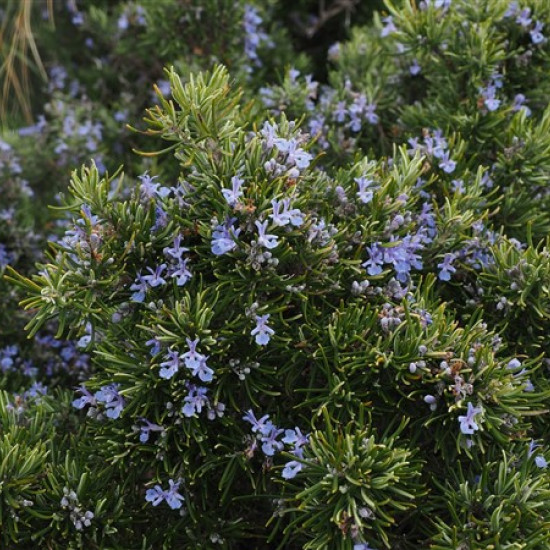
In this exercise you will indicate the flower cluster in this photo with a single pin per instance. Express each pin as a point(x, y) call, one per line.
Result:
point(157, 494)
point(272, 441)
point(112, 403)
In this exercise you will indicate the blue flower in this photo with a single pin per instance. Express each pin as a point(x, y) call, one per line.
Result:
point(112, 400)
point(155, 495)
point(389, 26)
point(468, 424)
point(291, 469)
point(270, 444)
point(415, 68)
point(524, 18)
point(261, 331)
point(376, 260)
point(172, 497)
point(86, 399)
point(181, 273)
point(170, 366)
point(223, 238)
point(265, 239)
point(176, 251)
point(147, 428)
point(232, 195)
point(155, 279)
point(192, 358)
point(446, 267)
point(263, 425)
point(446, 164)
point(286, 216)
point(536, 33)
point(195, 400)
point(540, 461)
point(202, 370)
point(366, 192)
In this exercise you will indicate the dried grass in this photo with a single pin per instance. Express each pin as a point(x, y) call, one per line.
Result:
point(18, 54)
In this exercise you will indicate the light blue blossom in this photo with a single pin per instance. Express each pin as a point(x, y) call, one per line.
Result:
point(170, 366)
point(203, 371)
point(232, 195)
point(266, 240)
point(192, 358)
point(154, 278)
point(262, 426)
point(175, 252)
point(468, 425)
point(366, 192)
point(111, 399)
point(262, 331)
point(147, 428)
point(195, 400)
point(156, 495)
point(446, 269)
point(223, 238)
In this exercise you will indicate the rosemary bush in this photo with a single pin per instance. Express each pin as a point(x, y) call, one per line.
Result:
point(302, 314)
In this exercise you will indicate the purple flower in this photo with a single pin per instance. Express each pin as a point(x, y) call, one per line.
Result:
point(155, 495)
point(169, 367)
point(262, 332)
point(172, 497)
point(286, 216)
point(149, 187)
point(223, 238)
point(265, 239)
point(295, 156)
point(524, 18)
point(155, 346)
point(519, 100)
point(270, 445)
point(489, 97)
point(291, 469)
point(155, 279)
point(195, 400)
point(192, 358)
point(415, 68)
point(253, 35)
point(536, 33)
point(458, 186)
point(446, 164)
point(262, 426)
point(181, 273)
point(232, 195)
point(446, 268)
point(512, 9)
point(468, 424)
point(86, 399)
point(340, 112)
point(203, 371)
point(147, 428)
point(376, 260)
point(177, 250)
point(365, 193)
point(389, 26)
point(540, 461)
point(112, 400)
point(370, 115)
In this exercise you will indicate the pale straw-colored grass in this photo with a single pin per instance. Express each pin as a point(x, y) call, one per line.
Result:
point(18, 55)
